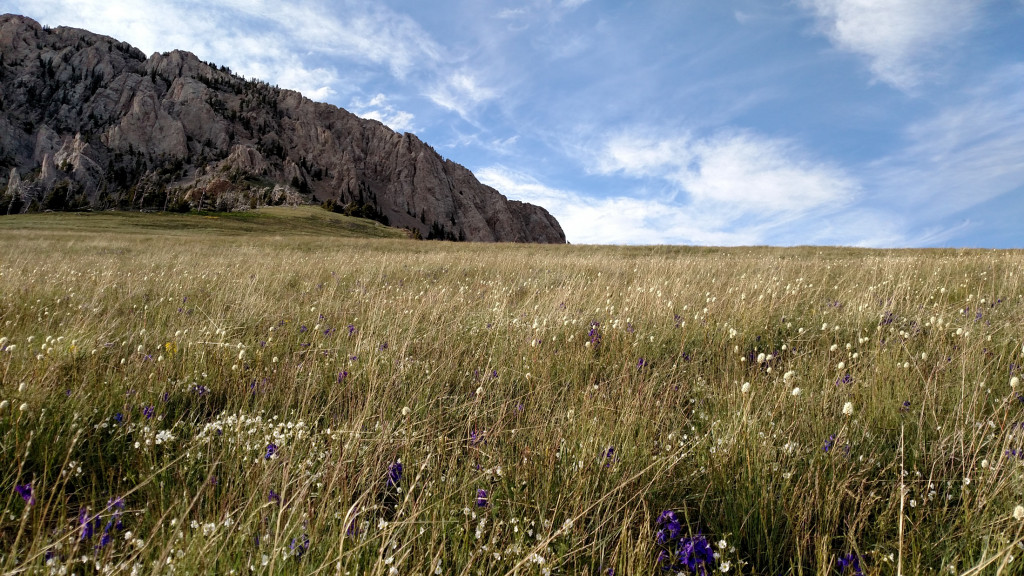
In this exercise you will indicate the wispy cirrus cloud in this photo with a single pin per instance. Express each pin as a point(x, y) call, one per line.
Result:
point(379, 108)
point(898, 37)
point(970, 152)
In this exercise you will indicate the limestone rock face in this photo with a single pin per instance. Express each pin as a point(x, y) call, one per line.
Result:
point(87, 121)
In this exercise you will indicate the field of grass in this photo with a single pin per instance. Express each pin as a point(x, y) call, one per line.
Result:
point(179, 401)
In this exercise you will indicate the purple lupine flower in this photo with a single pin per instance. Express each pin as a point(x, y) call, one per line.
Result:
point(341, 376)
point(849, 561)
point(640, 364)
point(299, 548)
point(351, 329)
point(25, 491)
point(830, 442)
point(271, 450)
point(394, 475)
point(481, 498)
point(148, 411)
point(274, 497)
point(607, 455)
point(383, 347)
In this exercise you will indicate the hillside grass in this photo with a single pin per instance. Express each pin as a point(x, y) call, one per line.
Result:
point(266, 221)
point(181, 402)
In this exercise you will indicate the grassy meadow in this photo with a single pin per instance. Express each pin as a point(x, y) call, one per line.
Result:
point(184, 395)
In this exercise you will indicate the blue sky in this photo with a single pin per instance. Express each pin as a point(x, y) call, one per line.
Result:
point(887, 123)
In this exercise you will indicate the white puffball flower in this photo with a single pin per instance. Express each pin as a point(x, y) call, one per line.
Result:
point(924, 355)
point(406, 411)
point(21, 387)
point(1014, 382)
point(833, 348)
point(241, 354)
point(848, 409)
point(3, 405)
point(841, 365)
point(274, 360)
point(1018, 513)
point(788, 376)
point(745, 388)
point(796, 391)
point(760, 358)
point(480, 391)
point(23, 407)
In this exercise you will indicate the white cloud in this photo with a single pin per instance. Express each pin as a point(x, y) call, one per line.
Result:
point(968, 153)
point(462, 92)
point(614, 220)
point(378, 108)
point(897, 36)
point(736, 174)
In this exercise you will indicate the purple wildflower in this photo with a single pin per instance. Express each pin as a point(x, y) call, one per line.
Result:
point(640, 364)
point(274, 497)
point(341, 376)
point(394, 475)
point(25, 491)
point(299, 548)
point(849, 561)
point(148, 411)
point(271, 450)
point(481, 498)
point(830, 442)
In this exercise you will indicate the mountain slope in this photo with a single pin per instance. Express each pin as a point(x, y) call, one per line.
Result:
point(87, 121)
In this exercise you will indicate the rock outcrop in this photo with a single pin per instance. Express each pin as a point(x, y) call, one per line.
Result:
point(87, 121)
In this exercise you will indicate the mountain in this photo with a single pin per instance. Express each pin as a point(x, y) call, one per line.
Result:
point(87, 121)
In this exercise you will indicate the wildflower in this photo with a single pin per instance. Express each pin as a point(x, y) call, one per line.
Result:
point(848, 409)
point(788, 376)
point(341, 376)
point(481, 498)
point(148, 411)
point(300, 548)
point(406, 411)
point(745, 388)
point(1014, 382)
point(23, 407)
point(395, 474)
point(271, 450)
point(25, 491)
point(830, 442)
point(796, 391)
point(3, 405)
point(849, 561)
point(274, 497)
point(1018, 513)
point(640, 364)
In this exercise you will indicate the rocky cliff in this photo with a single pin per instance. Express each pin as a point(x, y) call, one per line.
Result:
point(90, 122)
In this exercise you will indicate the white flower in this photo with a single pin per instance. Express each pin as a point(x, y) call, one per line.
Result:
point(1014, 382)
point(21, 387)
point(406, 410)
point(1018, 513)
point(745, 388)
point(479, 390)
point(841, 365)
point(23, 407)
point(788, 376)
point(796, 391)
point(3, 405)
point(724, 566)
point(848, 409)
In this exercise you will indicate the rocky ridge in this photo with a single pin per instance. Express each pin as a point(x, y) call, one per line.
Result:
point(87, 121)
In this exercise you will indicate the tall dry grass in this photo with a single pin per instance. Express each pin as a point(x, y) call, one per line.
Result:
point(242, 405)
